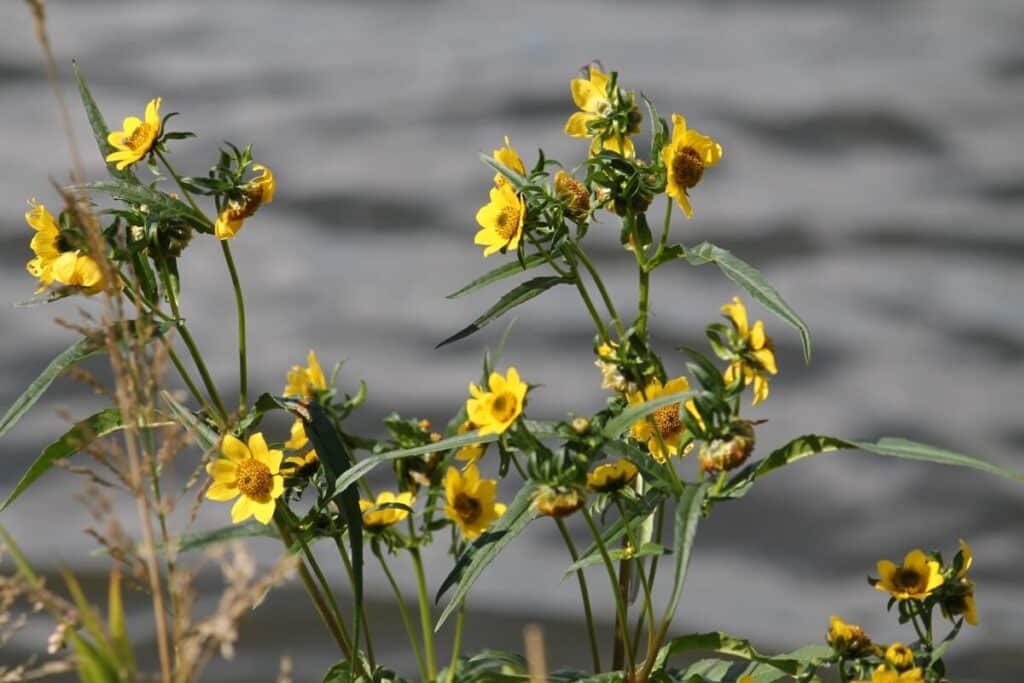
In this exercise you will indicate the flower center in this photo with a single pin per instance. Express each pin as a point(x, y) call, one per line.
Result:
point(507, 223)
point(467, 507)
point(908, 578)
point(504, 406)
point(667, 420)
point(253, 479)
point(687, 167)
point(139, 138)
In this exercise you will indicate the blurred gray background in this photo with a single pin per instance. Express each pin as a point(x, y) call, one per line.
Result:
point(872, 170)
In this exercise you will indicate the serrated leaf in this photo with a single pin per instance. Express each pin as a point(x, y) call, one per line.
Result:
point(499, 273)
point(624, 420)
point(83, 433)
point(203, 539)
point(69, 357)
point(753, 282)
point(723, 643)
point(484, 550)
point(159, 205)
point(100, 131)
point(520, 295)
point(616, 554)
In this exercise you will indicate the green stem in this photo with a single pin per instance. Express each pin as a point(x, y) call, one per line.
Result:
point(644, 302)
point(609, 304)
point(181, 185)
point(243, 374)
point(314, 595)
point(190, 343)
point(620, 605)
point(584, 594)
point(325, 587)
point(648, 607)
point(659, 524)
point(598, 323)
point(665, 226)
point(547, 255)
point(425, 620)
point(362, 615)
point(457, 644)
point(404, 613)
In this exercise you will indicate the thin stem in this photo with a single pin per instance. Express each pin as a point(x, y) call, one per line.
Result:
point(181, 185)
point(659, 524)
point(547, 255)
point(243, 374)
point(648, 607)
point(314, 594)
point(404, 613)
point(644, 301)
point(460, 619)
point(598, 323)
point(325, 586)
point(584, 594)
point(425, 620)
point(666, 225)
point(609, 304)
point(345, 560)
point(620, 605)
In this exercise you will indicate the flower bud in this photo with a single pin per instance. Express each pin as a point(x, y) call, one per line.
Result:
point(573, 193)
point(722, 455)
point(558, 501)
point(580, 425)
point(847, 639)
point(899, 656)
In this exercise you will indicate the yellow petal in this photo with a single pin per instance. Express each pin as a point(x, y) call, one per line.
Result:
point(222, 470)
point(153, 111)
point(587, 95)
point(766, 357)
point(263, 511)
point(130, 124)
point(576, 125)
point(258, 447)
point(737, 313)
point(221, 492)
point(242, 509)
point(233, 449)
point(678, 128)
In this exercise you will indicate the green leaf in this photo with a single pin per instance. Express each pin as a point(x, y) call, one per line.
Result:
point(542, 430)
point(160, 205)
point(500, 273)
point(912, 450)
point(206, 438)
point(624, 420)
point(75, 439)
point(751, 280)
point(687, 514)
point(119, 640)
point(48, 297)
point(99, 128)
point(616, 554)
point(520, 295)
point(723, 643)
point(482, 552)
point(812, 444)
point(517, 181)
point(203, 539)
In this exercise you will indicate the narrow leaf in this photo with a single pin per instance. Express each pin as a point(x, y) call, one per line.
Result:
point(159, 204)
point(624, 420)
point(484, 549)
point(75, 439)
point(723, 643)
point(499, 273)
point(616, 554)
point(204, 539)
point(688, 507)
point(206, 438)
point(520, 295)
point(912, 450)
point(753, 282)
point(99, 128)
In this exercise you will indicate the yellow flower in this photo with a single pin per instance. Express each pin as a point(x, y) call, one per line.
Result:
point(883, 675)
point(306, 382)
point(470, 500)
point(256, 193)
point(501, 220)
point(253, 473)
point(508, 157)
point(685, 159)
point(899, 656)
point(611, 375)
point(847, 638)
point(55, 264)
point(494, 411)
point(967, 559)
point(915, 579)
point(298, 437)
point(297, 466)
point(558, 502)
point(591, 96)
point(667, 420)
point(611, 476)
point(376, 520)
point(473, 452)
point(137, 137)
point(757, 355)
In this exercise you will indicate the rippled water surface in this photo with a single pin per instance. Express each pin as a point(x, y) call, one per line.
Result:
point(872, 169)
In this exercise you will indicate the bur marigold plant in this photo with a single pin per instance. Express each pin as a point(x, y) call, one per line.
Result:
point(466, 482)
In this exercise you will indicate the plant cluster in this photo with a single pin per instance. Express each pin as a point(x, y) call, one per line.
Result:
point(672, 442)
